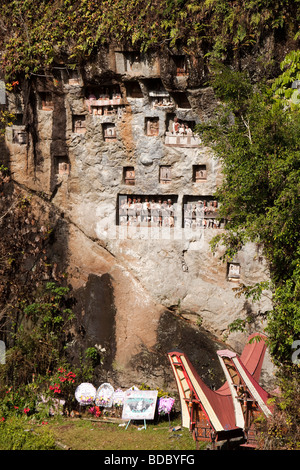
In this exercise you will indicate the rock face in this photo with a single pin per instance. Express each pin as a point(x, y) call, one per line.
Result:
point(107, 145)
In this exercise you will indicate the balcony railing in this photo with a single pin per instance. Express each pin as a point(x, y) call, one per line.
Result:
point(182, 140)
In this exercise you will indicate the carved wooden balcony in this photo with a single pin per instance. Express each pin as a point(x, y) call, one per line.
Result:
point(182, 140)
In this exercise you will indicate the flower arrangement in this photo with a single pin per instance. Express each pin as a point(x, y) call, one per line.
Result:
point(165, 405)
point(118, 398)
point(104, 395)
point(86, 400)
point(85, 394)
point(103, 400)
point(95, 411)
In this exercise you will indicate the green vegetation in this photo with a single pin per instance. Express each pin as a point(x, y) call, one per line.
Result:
point(93, 434)
point(39, 34)
point(256, 135)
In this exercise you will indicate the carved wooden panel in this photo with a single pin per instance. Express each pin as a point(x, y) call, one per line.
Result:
point(129, 175)
point(165, 176)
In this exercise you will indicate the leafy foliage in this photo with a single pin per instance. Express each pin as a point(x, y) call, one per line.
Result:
point(38, 34)
point(282, 430)
point(36, 320)
point(24, 249)
point(256, 136)
point(39, 340)
point(282, 85)
point(14, 436)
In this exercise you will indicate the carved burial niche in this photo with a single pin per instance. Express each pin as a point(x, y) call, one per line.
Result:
point(147, 210)
point(46, 101)
point(104, 99)
point(132, 60)
point(200, 212)
point(61, 165)
point(158, 96)
point(109, 132)
point(133, 90)
point(179, 126)
point(181, 100)
point(73, 77)
point(129, 175)
point(179, 132)
point(165, 175)
point(233, 271)
point(19, 136)
point(109, 92)
point(199, 173)
point(78, 123)
point(181, 66)
point(18, 119)
point(151, 126)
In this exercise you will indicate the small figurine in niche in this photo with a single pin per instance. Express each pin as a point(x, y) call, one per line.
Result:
point(175, 126)
point(188, 130)
point(91, 98)
point(63, 168)
point(181, 129)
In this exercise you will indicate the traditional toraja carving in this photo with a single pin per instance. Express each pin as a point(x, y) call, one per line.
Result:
point(104, 101)
point(61, 165)
point(152, 126)
point(46, 101)
point(234, 271)
point(129, 175)
point(199, 173)
point(109, 132)
point(19, 136)
point(79, 124)
point(165, 174)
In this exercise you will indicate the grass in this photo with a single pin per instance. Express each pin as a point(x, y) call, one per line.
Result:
point(92, 434)
point(81, 434)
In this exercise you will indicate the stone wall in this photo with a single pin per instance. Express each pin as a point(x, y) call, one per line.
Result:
point(86, 140)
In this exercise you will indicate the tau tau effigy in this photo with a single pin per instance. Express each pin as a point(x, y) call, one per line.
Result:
point(112, 148)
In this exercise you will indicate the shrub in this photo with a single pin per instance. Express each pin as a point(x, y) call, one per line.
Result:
point(282, 430)
point(15, 435)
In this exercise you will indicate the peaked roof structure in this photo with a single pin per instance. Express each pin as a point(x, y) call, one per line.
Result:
point(221, 412)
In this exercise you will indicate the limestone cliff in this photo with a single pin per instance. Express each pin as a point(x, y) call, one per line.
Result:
point(111, 146)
